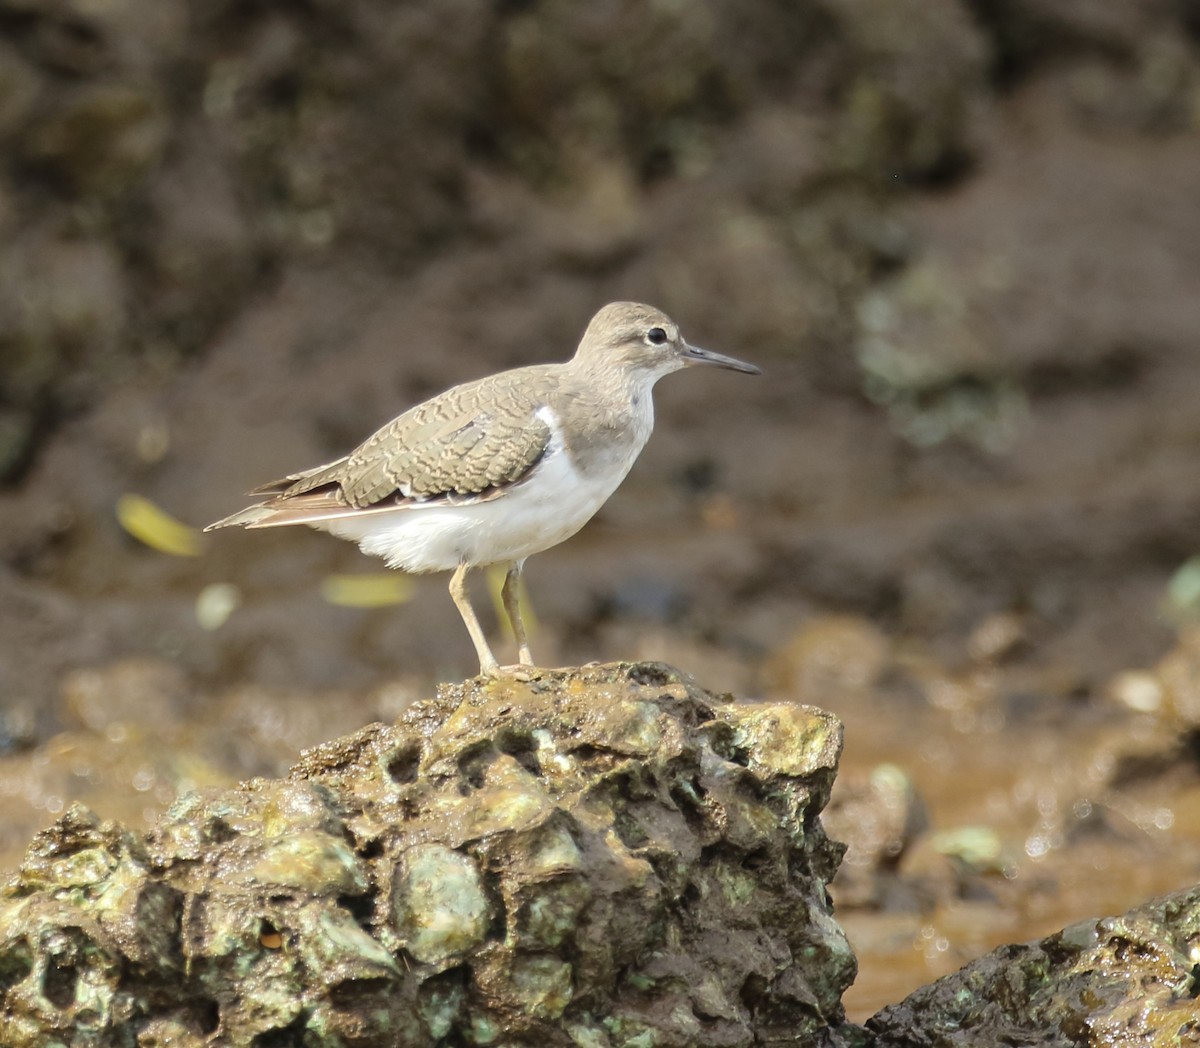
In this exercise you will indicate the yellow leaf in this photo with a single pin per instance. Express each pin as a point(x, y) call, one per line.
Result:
point(367, 591)
point(157, 529)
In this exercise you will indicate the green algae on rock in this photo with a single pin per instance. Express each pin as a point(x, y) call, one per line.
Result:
point(82, 915)
point(440, 908)
point(609, 856)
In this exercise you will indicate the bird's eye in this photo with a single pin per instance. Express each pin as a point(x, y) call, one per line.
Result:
point(656, 335)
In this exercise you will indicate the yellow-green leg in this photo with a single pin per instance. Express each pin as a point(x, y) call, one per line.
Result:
point(510, 594)
point(458, 593)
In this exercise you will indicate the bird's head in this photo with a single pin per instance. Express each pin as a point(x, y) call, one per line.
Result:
point(644, 341)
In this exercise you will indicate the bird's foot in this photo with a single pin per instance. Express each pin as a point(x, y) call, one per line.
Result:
point(520, 672)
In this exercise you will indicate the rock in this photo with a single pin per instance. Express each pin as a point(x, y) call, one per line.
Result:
point(913, 79)
point(102, 139)
point(136, 692)
point(1157, 737)
point(1029, 32)
point(608, 856)
point(1179, 674)
point(83, 904)
point(62, 312)
point(1120, 980)
point(19, 86)
point(929, 356)
point(829, 658)
point(877, 816)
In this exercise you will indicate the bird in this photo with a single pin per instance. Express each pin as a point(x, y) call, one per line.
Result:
point(492, 471)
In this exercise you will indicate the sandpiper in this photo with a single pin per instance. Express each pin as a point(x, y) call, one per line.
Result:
point(495, 470)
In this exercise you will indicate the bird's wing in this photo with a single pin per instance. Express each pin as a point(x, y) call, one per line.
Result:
point(465, 442)
point(469, 444)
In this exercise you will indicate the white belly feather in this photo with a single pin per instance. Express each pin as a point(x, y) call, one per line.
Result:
point(546, 508)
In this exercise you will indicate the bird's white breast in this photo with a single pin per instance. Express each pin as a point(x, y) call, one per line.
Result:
point(544, 509)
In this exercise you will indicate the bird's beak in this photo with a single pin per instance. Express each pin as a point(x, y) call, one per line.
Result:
point(696, 355)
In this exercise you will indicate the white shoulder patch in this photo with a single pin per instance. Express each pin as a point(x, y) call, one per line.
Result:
point(546, 414)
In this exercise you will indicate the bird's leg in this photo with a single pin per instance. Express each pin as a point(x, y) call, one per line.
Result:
point(458, 593)
point(510, 594)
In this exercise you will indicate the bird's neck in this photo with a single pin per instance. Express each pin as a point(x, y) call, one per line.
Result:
point(609, 413)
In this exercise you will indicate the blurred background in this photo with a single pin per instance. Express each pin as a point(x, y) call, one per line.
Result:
point(962, 238)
